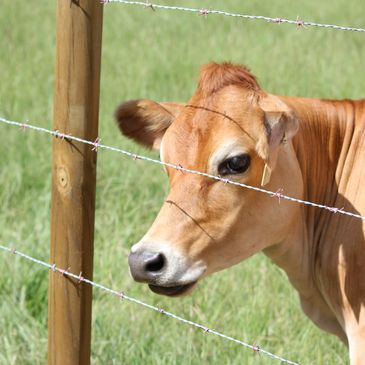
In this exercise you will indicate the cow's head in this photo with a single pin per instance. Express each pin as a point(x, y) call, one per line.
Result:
point(232, 128)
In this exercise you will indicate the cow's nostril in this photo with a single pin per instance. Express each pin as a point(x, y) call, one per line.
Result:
point(155, 263)
point(147, 266)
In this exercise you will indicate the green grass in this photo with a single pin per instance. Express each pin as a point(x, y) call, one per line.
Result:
point(156, 55)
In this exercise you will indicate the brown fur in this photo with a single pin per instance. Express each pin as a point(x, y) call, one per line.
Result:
point(214, 77)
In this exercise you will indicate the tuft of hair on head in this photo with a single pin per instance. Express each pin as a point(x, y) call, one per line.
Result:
point(214, 77)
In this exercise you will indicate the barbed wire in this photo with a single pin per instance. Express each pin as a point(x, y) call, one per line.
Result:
point(298, 22)
point(96, 145)
point(120, 294)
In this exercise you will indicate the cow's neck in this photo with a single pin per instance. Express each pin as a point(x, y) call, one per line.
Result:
point(320, 146)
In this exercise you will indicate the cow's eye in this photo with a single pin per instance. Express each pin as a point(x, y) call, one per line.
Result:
point(234, 165)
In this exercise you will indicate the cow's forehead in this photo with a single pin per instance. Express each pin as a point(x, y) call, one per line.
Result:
point(205, 123)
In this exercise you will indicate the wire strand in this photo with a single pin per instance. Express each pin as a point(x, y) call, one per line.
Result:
point(298, 22)
point(96, 145)
point(122, 295)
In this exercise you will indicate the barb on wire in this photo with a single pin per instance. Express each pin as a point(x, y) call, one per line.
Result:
point(298, 22)
point(278, 194)
point(96, 144)
point(80, 279)
point(134, 156)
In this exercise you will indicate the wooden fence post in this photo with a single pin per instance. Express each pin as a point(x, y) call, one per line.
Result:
point(76, 109)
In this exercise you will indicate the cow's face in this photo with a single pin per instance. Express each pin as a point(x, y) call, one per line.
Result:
point(229, 128)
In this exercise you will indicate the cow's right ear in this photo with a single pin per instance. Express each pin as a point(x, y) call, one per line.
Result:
point(146, 121)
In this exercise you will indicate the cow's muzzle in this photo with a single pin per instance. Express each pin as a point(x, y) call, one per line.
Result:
point(166, 272)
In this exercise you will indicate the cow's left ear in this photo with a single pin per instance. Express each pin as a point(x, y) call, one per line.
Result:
point(281, 124)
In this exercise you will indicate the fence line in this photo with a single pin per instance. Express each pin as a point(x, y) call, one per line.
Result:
point(298, 22)
point(80, 279)
point(96, 145)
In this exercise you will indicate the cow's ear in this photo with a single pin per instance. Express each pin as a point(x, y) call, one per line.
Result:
point(280, 124)
point(146, 121)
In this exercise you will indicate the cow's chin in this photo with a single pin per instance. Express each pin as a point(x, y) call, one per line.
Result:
point(173, 291)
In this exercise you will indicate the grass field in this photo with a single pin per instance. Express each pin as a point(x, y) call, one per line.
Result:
point(156, 55)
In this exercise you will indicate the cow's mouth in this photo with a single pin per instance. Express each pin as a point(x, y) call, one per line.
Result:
point(171, 291)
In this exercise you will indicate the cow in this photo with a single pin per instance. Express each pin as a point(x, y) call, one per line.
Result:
point(312, 149)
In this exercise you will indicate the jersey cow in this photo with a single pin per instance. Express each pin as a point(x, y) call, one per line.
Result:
point(313, 149)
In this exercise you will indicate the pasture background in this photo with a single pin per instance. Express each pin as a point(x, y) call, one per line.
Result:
point(156, 55)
